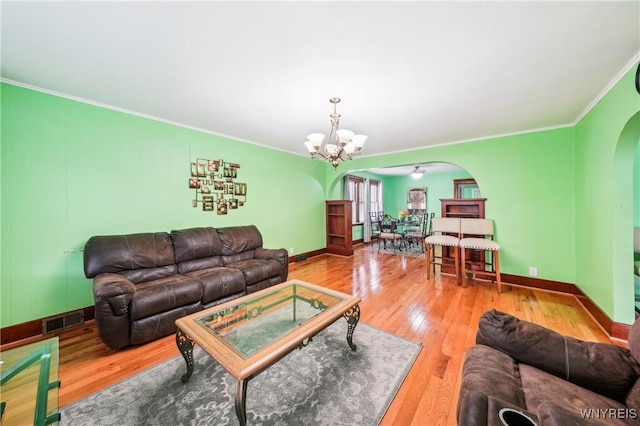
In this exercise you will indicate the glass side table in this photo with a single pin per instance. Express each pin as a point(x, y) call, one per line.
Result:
point(29, 384)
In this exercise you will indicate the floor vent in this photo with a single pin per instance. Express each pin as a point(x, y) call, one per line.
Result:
point(62, 322)
point(300, 258)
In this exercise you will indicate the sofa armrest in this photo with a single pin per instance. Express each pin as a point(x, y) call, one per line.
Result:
point(551, 414)
point(607, 369)
point(112, 294)
point(115, 289)
point(478, 409)
point(281, 255)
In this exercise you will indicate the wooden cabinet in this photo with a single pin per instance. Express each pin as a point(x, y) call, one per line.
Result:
point(462, 208)
point(339, 232)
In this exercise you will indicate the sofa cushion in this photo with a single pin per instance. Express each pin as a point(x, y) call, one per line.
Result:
point(539, 386)
point(164, 295)
point(238, 239)
point(162, 324)
point(196, 243)
point(603, 368)
point(219, 282)
point(551, 414)
point(118, 253)
point(493, 373)
point(256, 270)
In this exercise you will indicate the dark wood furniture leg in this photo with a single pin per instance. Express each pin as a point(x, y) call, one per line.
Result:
point(241, 401)
point(352, 316)
point(185, 345)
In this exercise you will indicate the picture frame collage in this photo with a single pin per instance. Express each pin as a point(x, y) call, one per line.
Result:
point(216, 187)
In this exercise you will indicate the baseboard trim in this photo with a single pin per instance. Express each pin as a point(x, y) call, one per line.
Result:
point(541, 284)
point(307, 254)
point(615, 330)
point(28, 329)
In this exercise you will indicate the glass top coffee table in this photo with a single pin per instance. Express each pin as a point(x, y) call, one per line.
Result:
point(248, 334)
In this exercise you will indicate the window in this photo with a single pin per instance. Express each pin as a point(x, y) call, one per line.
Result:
point(354, 191)
point(375, 196)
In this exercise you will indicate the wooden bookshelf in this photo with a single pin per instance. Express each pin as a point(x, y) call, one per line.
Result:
point(339, 228)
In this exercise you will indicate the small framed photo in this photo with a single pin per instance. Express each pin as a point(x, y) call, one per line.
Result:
point(194, 169)
point(228, 188)
point(206, 189)
point(195, 203)
point(218, 185)
point(240, 188)
point(230, 172)
point(194, 183)
point(233, 203)
point(212, 165)
point(207, 207)
point(202, 170)
point(222, 209)
point(241, 203)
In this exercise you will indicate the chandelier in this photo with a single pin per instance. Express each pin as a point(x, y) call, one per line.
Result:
point(417, 172)
point(344, 147)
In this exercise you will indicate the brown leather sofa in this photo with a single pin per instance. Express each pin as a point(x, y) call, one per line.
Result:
point(520, 367)
point(142, 283)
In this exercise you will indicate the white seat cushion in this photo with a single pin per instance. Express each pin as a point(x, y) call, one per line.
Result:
point(390, 236)
point(442, 240)
point(479, 244)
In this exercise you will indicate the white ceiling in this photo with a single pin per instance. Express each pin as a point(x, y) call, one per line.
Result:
point(429, 169)
point(410, 74)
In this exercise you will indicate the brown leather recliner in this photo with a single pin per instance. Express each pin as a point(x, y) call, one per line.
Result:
point(143, 282)
point(551, 379)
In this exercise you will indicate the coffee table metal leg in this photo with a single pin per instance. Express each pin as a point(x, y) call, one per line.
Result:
point(352, 316)
point(241, 397)
point(185, 345)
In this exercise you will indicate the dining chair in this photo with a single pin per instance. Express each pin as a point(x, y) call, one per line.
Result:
point(389, 232)
point(417, 233)
point(374, 223)
point(478, 234)
point(445, 233)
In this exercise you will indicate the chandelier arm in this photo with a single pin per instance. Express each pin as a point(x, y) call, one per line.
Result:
point(319, 154)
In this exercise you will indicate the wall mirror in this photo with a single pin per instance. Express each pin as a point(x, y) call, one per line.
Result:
point(466, 188)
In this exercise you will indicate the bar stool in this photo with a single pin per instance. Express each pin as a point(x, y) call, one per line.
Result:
point(478, 231)
point(449, 229)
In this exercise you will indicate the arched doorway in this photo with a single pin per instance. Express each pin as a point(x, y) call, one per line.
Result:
point(398, 183)
point(623, 214)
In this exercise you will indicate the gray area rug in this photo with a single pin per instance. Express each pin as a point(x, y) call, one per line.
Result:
point(413, 251)
point(324, 383)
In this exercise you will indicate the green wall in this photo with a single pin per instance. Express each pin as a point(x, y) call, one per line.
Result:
point(528, 181)
point(606, 142)
point(562, 199)
point(636, 188)
point(71, 170)
point(439, 185)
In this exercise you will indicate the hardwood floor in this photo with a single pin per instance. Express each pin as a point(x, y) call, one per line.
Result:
point(396, 297)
